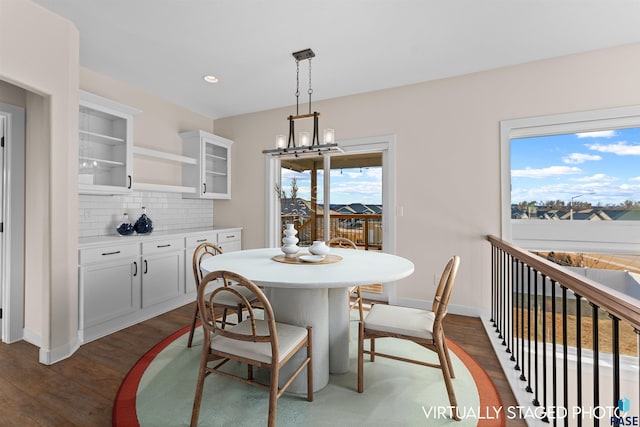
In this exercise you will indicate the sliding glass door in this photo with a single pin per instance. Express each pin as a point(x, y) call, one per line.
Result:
point(349, 195)
point(354, 207)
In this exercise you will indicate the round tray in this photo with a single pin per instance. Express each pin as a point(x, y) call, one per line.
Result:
point(328, 259)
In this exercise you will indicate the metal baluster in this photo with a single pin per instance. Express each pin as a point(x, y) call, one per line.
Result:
point(579, 352)
point(596, 361)
point(519, 340)
point(528, 388)
point(523, 377)
point(554, 366)
point(509, 331)
point(544, 348)
point(565, 362)
point(514, 355)
point(535, 401)
point(637, 331)
point(504, 286)
point(500, 281)
point(615, 336)
point(493, 284)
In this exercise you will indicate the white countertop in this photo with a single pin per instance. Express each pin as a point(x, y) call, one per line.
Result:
point(136, 238)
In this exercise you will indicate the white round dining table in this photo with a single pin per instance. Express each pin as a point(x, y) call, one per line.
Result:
point(314, 294)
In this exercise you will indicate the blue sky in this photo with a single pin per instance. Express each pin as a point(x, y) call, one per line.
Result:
point(559, 167)
point(347, 185)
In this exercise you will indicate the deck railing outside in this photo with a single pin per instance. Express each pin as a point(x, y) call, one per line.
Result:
point(572, 344)
point(365, 230)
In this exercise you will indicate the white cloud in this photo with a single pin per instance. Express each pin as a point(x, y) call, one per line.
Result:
point(578, 158)
point(546, 172)
point(597, 134)
point(619, 148)
point(637, 178)
point(599, 178)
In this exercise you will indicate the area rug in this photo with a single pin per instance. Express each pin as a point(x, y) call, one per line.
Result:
point(159, 390)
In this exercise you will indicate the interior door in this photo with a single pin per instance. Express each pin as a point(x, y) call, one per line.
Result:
point(2, 214)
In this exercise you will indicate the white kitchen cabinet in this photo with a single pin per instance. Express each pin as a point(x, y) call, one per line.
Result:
point(191, 243)
point(211, 175)
point(162, 271)
point(230, 240)
point(105, 145)
point(126, 280)
point(109, 280)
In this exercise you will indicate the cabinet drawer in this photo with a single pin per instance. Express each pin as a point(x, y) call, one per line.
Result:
point(193, 241)
point(107, 253)
point(162, 246)
point(229, 236)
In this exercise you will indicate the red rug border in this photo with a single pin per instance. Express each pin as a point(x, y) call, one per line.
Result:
point(489, 397)
point(124, 412)
point(124, 405)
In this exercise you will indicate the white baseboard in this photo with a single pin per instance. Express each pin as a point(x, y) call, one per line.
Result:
point(32, 337)
point(461, 310)
point(49, 357)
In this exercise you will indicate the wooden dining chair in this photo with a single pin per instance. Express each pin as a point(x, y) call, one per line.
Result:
point(263, 343)
point(423, 327)
point(228, 302)
point(344, 243)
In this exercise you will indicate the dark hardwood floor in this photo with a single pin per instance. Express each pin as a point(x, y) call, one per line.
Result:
point(79, 391)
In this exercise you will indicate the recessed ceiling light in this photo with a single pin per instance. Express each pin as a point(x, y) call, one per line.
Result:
point(210, 79)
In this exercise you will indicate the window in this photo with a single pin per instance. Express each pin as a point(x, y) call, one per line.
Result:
point(569, 161)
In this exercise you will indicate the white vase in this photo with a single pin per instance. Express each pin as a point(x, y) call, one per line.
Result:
point(290, 247)
point(319, 248)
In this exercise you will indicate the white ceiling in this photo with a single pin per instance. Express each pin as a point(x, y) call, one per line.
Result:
point(164, 47)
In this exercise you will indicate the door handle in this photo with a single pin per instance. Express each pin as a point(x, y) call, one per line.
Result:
point(135, 264)
point(204, 185)
point(146, 267)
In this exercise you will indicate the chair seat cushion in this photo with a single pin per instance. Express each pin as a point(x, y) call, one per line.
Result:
point(289, 337)
point(231, 300)
point(393, 319)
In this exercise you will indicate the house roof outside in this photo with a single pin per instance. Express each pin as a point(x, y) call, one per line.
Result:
point(301, 207)
point(593, 214)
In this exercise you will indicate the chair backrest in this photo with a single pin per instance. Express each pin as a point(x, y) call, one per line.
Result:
point(341, 242)
point(207, 306)
point(445, 286)
point(202, 251)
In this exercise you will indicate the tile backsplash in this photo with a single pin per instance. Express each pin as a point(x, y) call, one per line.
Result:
point(101, 215)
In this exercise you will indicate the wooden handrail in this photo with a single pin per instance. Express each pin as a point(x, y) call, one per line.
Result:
point(614, 302)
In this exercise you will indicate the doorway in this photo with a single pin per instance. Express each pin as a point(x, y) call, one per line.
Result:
point(308, 194)
point(355, 190)
point(12, 163)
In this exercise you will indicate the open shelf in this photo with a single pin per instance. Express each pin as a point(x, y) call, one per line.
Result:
point(142, 186)
point(164, 156)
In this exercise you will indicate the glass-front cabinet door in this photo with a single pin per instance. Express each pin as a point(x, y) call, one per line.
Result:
point(211, 175)
point(105, 145)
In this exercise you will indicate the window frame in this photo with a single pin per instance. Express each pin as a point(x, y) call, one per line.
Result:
point(553, 124)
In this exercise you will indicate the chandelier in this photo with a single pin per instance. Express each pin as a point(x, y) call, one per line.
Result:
point(307, 145)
